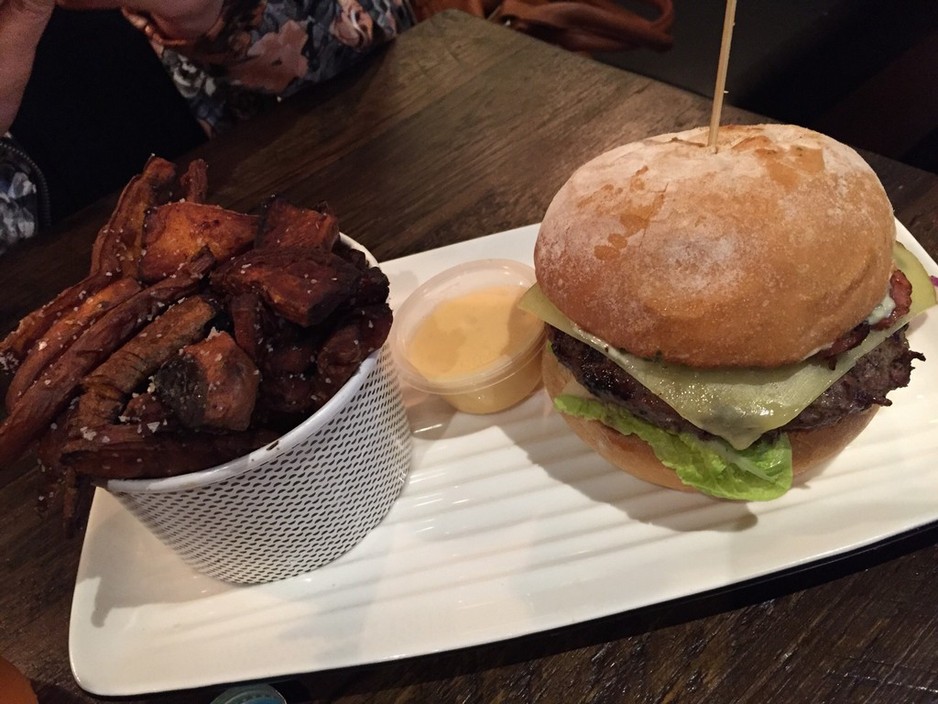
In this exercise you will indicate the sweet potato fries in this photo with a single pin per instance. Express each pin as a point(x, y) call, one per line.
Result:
point(198, 335)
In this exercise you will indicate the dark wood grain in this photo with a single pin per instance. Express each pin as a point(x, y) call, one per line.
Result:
point(457, 130)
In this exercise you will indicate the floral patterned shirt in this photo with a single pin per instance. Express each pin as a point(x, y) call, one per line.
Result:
point(258, 52)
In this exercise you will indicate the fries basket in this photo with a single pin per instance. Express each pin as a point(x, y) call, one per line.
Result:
point(294, 505)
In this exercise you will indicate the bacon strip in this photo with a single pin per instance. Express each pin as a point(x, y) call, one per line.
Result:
point(900, 290)
point(52, 391)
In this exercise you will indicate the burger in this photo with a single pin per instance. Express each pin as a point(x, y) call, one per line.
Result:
point(722, 318)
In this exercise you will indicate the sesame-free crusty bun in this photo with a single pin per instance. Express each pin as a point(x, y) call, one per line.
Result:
point(758, 253)
point(809, 448)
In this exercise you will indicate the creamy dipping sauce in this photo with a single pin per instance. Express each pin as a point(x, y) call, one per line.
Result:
point(480, 344)
point(471, 332)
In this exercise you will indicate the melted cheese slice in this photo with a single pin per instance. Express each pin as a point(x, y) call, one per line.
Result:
point(739, 405)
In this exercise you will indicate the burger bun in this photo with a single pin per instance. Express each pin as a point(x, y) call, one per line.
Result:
point(757, 254)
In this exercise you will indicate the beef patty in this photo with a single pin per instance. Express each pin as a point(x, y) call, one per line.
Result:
point(885, 368)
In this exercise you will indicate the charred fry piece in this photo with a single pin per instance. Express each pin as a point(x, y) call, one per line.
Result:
point(117, 247)
point(288, 394)
point(292, 357)
point(97, 406)
point(374, 325)
point(181, 325)
point(88, 421)
point(353, 256)
point(347, 347)
point(48, 453)
point(63, 490)
point(249, 322)
point(373, 288)
point(16, 345)
point(358, 334)
point(195, 182)
point(174, 232)
point(302, 286)
point(123, 452)
point(210, 385)
point(151, 413)
point(52, 391)
point(107, 387)
point(78, 492)
point(64, 331)
point(286, 225)
point(289, 348)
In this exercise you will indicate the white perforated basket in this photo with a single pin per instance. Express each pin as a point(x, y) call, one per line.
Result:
point(296, 504)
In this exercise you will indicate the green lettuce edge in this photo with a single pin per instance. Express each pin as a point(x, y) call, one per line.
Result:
point(761, 472)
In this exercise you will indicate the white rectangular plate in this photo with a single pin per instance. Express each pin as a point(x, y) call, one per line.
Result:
point(508, 526)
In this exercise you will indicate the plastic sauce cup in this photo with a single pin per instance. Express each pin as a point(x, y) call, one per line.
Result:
point(461, 336)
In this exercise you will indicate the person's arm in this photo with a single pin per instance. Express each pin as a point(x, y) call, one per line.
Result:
point(179, 19)
point(22, 23)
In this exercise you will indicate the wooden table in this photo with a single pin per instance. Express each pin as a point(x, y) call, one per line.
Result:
point(461, 129)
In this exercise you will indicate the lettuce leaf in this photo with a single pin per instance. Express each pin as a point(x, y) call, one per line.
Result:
point(761, 472)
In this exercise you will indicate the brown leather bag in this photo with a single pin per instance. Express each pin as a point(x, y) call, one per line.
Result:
point(578, 25)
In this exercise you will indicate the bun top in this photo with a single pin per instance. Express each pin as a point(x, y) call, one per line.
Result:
point(757, 254)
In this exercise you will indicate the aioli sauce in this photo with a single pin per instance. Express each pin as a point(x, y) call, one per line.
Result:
point(470, 338)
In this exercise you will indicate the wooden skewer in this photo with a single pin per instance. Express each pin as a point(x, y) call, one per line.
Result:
point(720, 88)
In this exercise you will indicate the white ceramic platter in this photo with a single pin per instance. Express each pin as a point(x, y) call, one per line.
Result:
point(508, 526)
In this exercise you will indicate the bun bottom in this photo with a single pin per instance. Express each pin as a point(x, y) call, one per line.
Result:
point(809, 448)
